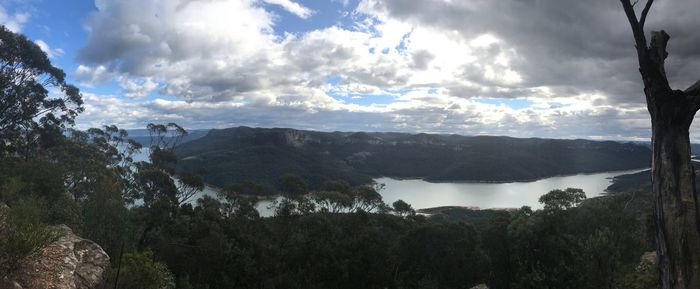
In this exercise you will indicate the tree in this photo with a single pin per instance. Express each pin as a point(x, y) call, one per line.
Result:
point(188, 185)
point(139, 270)
point(402, 208)
point(333, 201)
point(166, 136)
point(368, 199)
point(676, 202)
point(26, 75)
point(293, 186)
point(235, 204)
point(562, 200)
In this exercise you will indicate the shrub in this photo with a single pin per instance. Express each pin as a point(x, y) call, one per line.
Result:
point(139, 270)
point(22, 234)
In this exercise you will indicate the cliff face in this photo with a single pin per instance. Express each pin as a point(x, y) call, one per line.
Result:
point(70, 262)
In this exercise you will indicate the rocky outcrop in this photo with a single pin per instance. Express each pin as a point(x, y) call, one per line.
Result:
point(70, 262)
point(480, 286)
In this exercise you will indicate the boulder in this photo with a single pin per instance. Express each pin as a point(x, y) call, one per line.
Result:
point(70, 262)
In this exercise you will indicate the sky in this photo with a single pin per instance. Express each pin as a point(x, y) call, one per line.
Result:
point(524, 68)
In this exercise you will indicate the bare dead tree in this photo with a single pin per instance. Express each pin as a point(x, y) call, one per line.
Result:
point(673, 176)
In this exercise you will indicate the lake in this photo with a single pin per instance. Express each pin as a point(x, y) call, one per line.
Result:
point(422, 194)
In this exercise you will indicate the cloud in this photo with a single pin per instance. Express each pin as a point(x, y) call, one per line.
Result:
point(91, 76)
point(13, 22)
point(418, 112)
point(406, 66)
point(292, 7)
point(51, 53)
point(579, 46)
point(192, 50)
point(137, 88)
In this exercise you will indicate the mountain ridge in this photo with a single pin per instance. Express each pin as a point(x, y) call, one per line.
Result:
point(263, 155)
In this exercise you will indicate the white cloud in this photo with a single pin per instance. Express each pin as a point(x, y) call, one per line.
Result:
point(420, 111)
point(224, 64)
point(137, 88)
point(13, 22)
point(292, 7)
point(91, 76)
point(51, 53)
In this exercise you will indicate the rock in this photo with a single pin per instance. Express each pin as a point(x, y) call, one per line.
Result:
point(70, 262)
point(647, 261)
point(480, 286)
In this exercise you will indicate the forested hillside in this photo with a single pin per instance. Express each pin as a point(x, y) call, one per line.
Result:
point(233, 155)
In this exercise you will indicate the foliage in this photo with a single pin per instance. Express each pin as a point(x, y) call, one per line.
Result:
point(293, 185)
point(557, 200)
point(105, 218)
point(22, 234)
point(402, 208)
point(138, 270)
point(27, 111)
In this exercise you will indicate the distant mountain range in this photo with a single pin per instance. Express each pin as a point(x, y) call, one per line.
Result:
point(143, 137)
point(264, 155)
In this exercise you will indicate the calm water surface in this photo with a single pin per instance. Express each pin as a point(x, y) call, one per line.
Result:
point(421, 194)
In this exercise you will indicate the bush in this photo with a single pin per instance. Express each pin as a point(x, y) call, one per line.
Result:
point(22, 234)
point(139, 270)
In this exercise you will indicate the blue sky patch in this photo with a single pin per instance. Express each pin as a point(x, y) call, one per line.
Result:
point(514, 103)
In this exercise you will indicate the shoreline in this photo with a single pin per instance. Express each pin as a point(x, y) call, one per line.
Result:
point(631, 171)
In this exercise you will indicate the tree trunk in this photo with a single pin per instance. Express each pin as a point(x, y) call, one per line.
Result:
point(672, 173)
point(673, 185)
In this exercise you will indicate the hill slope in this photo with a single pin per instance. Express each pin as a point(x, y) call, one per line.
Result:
point(232, 155)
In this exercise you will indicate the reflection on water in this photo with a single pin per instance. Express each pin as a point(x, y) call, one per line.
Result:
point(421, 194)
point(263, 206)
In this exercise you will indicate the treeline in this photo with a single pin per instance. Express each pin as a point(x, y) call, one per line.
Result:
point(594, 245)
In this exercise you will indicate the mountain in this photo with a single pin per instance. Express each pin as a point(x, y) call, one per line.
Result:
point(263, 155)
point(641, 181)
point(142, 135)
point(694, 147)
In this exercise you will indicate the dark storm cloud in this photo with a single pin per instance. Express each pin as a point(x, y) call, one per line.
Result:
point(583, 45)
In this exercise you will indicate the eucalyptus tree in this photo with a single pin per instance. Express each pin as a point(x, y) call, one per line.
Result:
point(33, 92)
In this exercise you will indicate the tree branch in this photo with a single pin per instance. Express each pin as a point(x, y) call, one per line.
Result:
point(637, 30)
point(643, 19)
point(693, 94)
point(693, 89)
